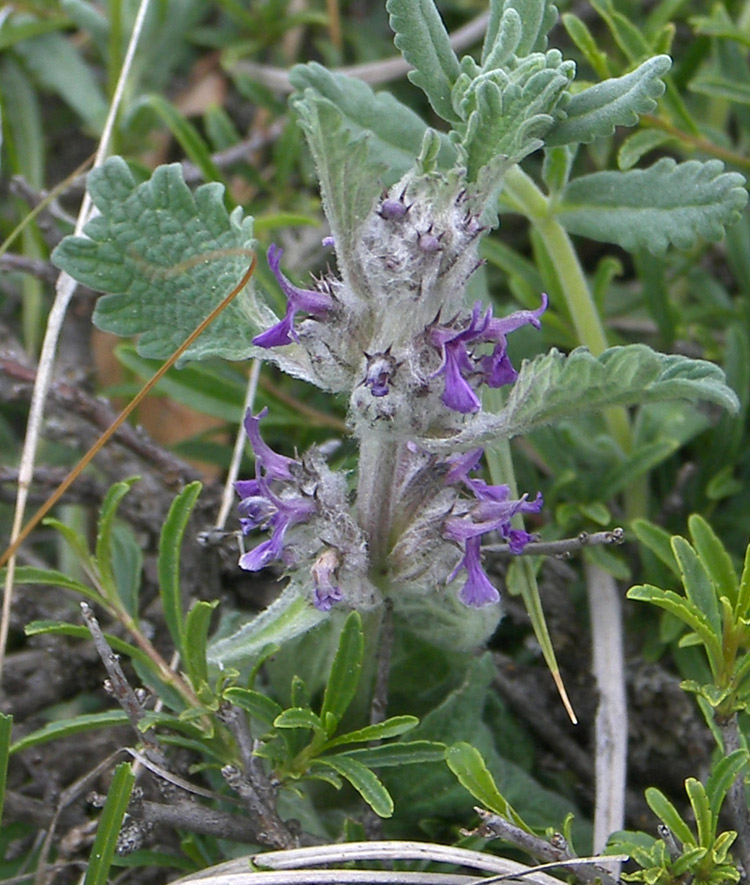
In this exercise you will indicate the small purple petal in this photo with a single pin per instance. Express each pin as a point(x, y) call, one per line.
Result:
point(461, 465)
point(328, 241)
point(280, 334)
point(478, 590)
point(266, 552)
point(458, 394)
point(498, 327)
point(518, 539)
point(316, 303)
point(497, 369)
point(275, 466)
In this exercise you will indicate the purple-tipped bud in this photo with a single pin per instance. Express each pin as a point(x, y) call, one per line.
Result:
point(392, 210)
point(380, 369)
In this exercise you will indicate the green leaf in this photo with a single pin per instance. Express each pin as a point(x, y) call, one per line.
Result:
point(196, 636)
point(28, 574)
point(640, 143)
point(704, 820)
point(655, 207)
point(579, 33)
point(105, 528)
point(127, 566)
point(398, 753)
point(108, 828)
point(6, 727)
point(742, 609)
point(509, 114)
point(599, 110)
point(299, 717)
point(715, 558)
point(349, 180)
point(168, 256)
point(424, 43)
point(345, 670)
point(258, 705)
point(78, 631)
point(468, 766)
point(392, 727)
point(364, 781)
point(717, 86)
point(168, 563)
point(685, 610)
point(56, 64)
point(288, 616)
point(536, 18)
point(61, 728)
point(658, 541)
point(722, 776)
point(698, 587)
point(393, 131)
point(553, 386)
point(668, 814)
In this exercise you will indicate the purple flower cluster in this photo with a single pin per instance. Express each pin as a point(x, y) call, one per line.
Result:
point(492, 511)
point(463, 370)
point(261, 507)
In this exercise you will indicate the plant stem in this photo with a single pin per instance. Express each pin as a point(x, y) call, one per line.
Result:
point(522, 195)
point(730, 733)
point(378, 466)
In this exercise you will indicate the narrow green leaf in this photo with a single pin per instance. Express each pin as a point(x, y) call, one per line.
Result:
point(722, 776)
point(299, 717)
point(685, 610)
point(364, 781)
point(640, 143)
point(698, 586)
point(189, 138)
point(168, 562)
point(345, 670)
point(714, 556)
point(392, 727)
point(166, 257)
point(666, 204)
point(742, 609)
point(658, 541)
point(717, 86)
point(56, 64)
point(28, 574)
point(258, 705)
point(424, 43)
point(398, 753)
point(599, 110)
point(66, 727)
point(468, 766)
point(127, 566)
point(668, 814)
point(553, 386)
point(108, 828)
point(105, 527)
point(579, 33)
point(704, 820)
point(78, 631)
point(196, 636)
point(6, 727)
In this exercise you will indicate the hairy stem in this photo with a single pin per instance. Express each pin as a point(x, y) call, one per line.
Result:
point(378, 465)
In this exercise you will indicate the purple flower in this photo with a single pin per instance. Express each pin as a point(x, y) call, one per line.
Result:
point(261, 507)
point(380, 368)
point(274, 466)
point(493, 511)
point(478, 589)
point(326, 591)
point(309, 300)
point(462, 370)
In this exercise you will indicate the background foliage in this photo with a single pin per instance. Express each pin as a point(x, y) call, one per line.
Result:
point(208, 90)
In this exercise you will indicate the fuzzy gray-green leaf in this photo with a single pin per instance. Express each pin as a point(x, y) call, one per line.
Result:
point(553, 386)
point(655, 207)
point(423, 41)
point(595, 112)
point(165, 256)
